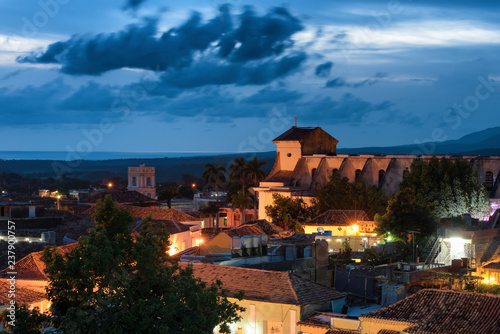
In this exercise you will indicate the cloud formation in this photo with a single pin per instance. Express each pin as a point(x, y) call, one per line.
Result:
point(140, 46)
point(340, 82)
point(133, 4)
point(323, 70)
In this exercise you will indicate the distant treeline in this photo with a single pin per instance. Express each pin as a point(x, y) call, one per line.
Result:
point(167, 169)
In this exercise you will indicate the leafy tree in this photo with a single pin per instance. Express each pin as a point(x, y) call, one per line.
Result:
point(242, 201)
point(215, 175)
point(238, 171)
point(340, 194)
point(167, 192)
point(255, 176)
point(288, 213)
point(111, 283)
point(186, 192)
point(405, 214)
point(448, 188)
point(27, 321)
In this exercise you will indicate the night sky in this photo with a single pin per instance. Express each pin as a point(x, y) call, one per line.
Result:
point(228, 77)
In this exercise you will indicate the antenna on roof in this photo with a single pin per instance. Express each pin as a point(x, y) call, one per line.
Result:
point(295, 120)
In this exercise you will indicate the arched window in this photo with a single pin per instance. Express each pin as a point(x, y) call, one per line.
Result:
point(313, 171)
point(489, 180)
point(335, 170)
point(381, 174)
point(357, 174)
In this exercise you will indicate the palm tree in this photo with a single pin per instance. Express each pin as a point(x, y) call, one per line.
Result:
point(238, 171)
point(215, 175)
point(168, 192)
point(255, 175)
point(241, 201)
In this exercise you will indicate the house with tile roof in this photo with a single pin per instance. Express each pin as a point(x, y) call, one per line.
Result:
point(274, 301)
point(23, 296)
point(434, 311)
point(182, 236)
point(235, 239)
point(120, 196)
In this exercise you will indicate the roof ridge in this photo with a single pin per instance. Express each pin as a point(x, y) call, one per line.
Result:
point(291, 286)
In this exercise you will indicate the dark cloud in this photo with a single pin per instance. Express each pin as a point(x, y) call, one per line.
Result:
point(224, 47)
point(340, 82)
point(349, 109)
point(273, 96)
point(91, 97)
point(260, 36)
point(251, 73)
point(334, 83)
point(133, 4)
point(323, 70)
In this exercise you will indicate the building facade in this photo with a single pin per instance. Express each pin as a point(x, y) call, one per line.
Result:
point(142, 179)
point(306, 157)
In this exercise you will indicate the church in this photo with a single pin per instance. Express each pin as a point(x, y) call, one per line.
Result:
point(307, 156)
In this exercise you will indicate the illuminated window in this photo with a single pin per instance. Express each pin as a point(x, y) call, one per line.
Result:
point(489, 180)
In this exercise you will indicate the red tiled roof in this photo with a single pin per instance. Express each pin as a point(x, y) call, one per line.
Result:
point(153, 211)
point(294, 134)
point(243, 230)
point(120, 196)
point(341, 331)
point(267, 227)
point(443, 312)
point(267, 286)
point(338, 217)
point(387, 331)
point(284, 176)
point(23, 295)
point(171, 226)
point(31, 266)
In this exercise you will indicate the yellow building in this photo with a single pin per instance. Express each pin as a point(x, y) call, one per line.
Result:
point(274, 301)
point(306, 157)
point(142, 179)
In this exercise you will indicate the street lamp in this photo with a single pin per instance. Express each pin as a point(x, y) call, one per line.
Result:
point(110, 185)
point(58, 198)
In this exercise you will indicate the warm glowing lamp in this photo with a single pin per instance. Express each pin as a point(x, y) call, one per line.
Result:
point(110, 185)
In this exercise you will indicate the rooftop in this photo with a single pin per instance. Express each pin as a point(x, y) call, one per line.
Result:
point(23, 295)
point(443, 312)
point(171, 226)
point(294, 134)
point(267, 227)
point(31, 266)
point(153, 211)
point(338, 217)
point(243, 230)
point(120, 196)
point(267, 286)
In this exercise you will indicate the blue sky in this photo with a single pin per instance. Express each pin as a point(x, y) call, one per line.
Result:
point(214, 76)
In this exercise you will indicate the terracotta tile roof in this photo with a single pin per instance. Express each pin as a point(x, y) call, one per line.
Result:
point(443, 312)
point(171, 226)
point(267, 227)
point(120, 196)
point(243, 230)
point(294, 134)
point(387, 331)
point(23, 295)
point(154, 211)
point(341, 331)
point(31, 266)
point(267, 286)
point(493, 265)
point(338, 217)
point(284, 176)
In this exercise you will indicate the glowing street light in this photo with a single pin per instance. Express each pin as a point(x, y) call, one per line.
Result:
point(110, 185)
point(58, 204)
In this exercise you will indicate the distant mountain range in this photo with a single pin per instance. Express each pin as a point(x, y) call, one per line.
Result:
point(486, 142)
